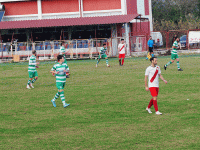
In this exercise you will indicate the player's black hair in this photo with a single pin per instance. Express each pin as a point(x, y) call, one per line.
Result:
point(59, 57)
point(152, 58)
point(34, 51)
point(104, 44)
point(176, 38)
point(122, 39)
point(62, 43)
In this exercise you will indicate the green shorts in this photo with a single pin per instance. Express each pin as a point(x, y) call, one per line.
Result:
point(174, 56)
point(103, 56)
point(60, 85)
point(33, 74)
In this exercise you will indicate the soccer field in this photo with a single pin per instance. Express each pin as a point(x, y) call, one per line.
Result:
point(107, 107)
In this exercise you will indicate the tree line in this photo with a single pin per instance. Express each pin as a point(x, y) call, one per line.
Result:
point(176, 14)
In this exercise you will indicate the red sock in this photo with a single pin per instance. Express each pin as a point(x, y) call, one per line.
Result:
point(150, 103)
point(155, 105)
point(122, 61)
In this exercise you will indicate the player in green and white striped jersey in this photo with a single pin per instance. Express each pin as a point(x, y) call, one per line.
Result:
point(33, 75)
point(102, 54)
point(174, 55)
point(62, 52)
point(60, 69)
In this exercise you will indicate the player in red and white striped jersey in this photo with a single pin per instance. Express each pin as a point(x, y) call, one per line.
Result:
point(153, 73)
point(121, 50)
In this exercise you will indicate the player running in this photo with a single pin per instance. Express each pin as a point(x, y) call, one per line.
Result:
point(153, 73)
point(62, 52)
point(174, 55)
point(121, 50)
point(33, 75)
point(102, 54)
point(60, 70)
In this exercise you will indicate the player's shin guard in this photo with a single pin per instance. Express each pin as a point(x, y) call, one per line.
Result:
point(29, 81)
point(155, 105)
point(56, 96)
point(33, 80)
point(168, 63)
point(178, 65)
point(62, 97)
point(150, 103)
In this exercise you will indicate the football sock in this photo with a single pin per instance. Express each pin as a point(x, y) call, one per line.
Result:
point(178, 65)
point(119, 61)
point(122, 61)
point(168, 63)
point(62, 97)
point(56, 96)
point(33, 80)
point(98, 60)
point(150, 103)
point(155, 105)
point(107, 61)
point(29, 81)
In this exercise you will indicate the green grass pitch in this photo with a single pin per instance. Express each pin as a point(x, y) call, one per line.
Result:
point(107, 107)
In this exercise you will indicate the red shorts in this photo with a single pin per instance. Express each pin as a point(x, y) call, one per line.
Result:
point(154, 91)
point(121, 55)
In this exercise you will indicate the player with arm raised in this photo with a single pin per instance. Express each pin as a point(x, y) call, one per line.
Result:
point(153, 73)
point(102, 54)
point(174, 55)
point(62, 52)
point(33, 75)
point(60, 70)
point(121, 50)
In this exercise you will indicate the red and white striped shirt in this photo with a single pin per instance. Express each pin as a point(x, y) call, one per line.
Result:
point(122, 48)
point(153, 76)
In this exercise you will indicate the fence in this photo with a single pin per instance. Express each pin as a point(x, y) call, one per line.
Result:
point(165, 41)
point(48, 49)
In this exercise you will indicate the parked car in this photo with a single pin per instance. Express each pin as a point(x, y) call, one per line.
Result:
point(183, 39)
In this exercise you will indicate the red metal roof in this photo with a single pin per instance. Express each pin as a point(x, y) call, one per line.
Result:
point(67, 21)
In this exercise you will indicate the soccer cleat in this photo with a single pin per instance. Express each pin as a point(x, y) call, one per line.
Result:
point(158, 113)
point(96, 65)
point(31, 85)
point(28, 87)
point(165, 67)
point(66, 105)
point(149, 111)
point(180, 69)
point(54, 103)
point(108, 65)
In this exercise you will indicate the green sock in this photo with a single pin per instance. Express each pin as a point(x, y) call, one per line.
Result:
point(178, 65)
point(98, 60)
point(56, 96)
point(33, 80)
point(29, 81)
point(62, 97)
point(107, 61)
point(168, 63)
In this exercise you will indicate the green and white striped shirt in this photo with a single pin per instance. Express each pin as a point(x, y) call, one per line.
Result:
point(175, 44)
point(62, 50)
point(32, 64)
point(103, 50)
point(61, 76)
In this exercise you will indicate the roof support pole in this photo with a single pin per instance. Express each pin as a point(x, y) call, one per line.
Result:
point(127, 30)
point(39, 5)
